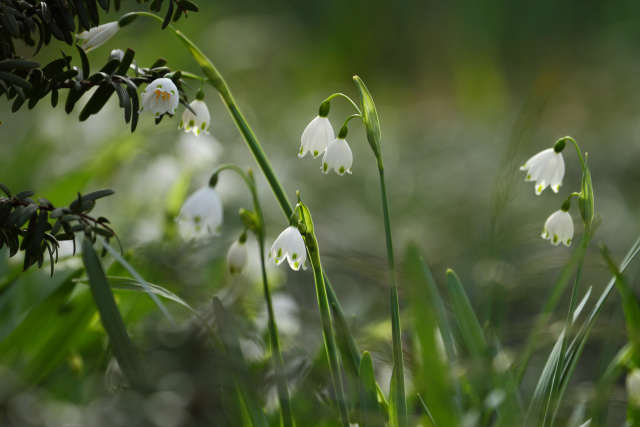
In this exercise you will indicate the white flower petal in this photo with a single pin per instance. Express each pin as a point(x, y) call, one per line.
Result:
point(198, 122)
point(236, 257)
point(558, 228)
point(546, 168)
point(97, 35)
point(316, 137)
point(337, 157)
point(290, 245)
point(160, 97)
point(201, 214)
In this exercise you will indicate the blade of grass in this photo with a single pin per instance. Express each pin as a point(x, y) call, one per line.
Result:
point(114, 253)
point(123, 349)
point(433, 372)
point(606, 383)
point(368, 394)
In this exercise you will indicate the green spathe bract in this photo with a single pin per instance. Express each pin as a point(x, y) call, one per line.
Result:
point(370, 119)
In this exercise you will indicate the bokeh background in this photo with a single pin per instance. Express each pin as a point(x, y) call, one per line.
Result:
point(466, 91)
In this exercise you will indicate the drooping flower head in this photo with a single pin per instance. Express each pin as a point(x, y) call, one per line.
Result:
point(559, 228)
point(199, 121)
point(318, 134)
point(290, 245)
point(96, 36)
point(546, 168)
point(160, 97)
point(338, 156)
point(237, 255)
point(201, 214)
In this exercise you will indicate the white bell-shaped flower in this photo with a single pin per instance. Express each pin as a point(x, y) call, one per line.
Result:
point(201, 214)
point(96, 36)
point(197, 122)
point(546, 168)
point(290, 245)
point(338, 157)
point(160, 97)
point(316, 137)
point(558, 228)
point(237, 256)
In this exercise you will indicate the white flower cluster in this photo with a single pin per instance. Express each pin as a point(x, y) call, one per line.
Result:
point(547, 170)
point(318, 138)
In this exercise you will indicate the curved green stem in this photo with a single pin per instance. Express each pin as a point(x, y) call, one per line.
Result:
point(349, 119)
point(575, 144)
point(286, 412)
point(398, 361)
point(346, 97)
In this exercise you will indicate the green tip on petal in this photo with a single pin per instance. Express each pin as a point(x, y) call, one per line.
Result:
point(301, 150)
point(324, 167)
point(315, 153)
point(192, 123)
point(568, 241)
point(296, 265)
point(540, 188)
point(341, 169)
point(555, 238)
point(294, 256)
point(279, 252)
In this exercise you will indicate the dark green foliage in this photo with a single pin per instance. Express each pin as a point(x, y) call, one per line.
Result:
point(26, 82)
point(25, 224)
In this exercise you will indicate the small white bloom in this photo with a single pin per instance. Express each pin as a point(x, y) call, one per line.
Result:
point(338, 156)
point(97, 35)
point(161, 96)
point(316, 137)
point(546, 168)
point(200, 214)
point(633, 388)
point(290, 245)
point(197, 122)
point(558, 228)
point(237, 257)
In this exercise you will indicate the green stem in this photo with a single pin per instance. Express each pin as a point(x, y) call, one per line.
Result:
point(346, 97)
point(575, 144)
point(398, 363)
point(327, 332)
point(286, 412)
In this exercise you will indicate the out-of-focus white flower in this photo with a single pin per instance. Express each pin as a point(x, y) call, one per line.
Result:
point(558, 228)
point(237, 256)
point(316, 137)
point(633, 388)
point(201, 214)
point(546, 168)
point(197, 122)
point(160, 97)
point(338, 156)
point(97, 35)
point(290, 245)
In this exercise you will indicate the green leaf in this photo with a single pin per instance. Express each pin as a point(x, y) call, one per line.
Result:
point(83, 16)
point(127, 356)
point(368, 396)
point(188, 5)
point(86, 69)
point(432, 378)
point(237, 362)
point(15, 80)
point(369, 118)
point(127, 59)
point(11, 64)
point(585, 200)
point(167, 18)
point(96, 102)
point(630, 304)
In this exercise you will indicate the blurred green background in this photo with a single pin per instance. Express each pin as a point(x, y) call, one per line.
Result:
point(466, 91)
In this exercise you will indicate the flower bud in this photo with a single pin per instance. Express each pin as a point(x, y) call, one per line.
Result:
point(237, 255)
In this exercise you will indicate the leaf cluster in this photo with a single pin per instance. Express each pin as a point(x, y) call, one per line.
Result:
point(22, 19)
point(25, 224)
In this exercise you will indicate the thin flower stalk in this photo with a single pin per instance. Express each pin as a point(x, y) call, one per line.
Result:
point(286, 412)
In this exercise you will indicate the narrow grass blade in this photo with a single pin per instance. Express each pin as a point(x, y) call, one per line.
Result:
point(237, 362)
point(433, 371)
point(124, 351)
point(368, 396)
point(611, 374)
point(114, 253)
